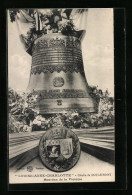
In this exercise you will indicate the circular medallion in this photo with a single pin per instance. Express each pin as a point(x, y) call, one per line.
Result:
point(59, 149)
point(58, 82)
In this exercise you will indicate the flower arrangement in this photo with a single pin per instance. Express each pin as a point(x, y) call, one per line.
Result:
point(52, 20)
point(43, 21)
point(23, 115)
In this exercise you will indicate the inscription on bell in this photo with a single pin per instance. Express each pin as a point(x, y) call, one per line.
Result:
point(58, 82)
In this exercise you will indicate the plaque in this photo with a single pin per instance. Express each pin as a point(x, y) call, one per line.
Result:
point(58, 82)
point(59, 149)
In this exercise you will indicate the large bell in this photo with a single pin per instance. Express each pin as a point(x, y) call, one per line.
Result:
point(57, 75)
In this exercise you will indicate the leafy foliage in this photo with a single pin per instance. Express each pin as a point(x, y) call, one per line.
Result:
point(13, 13)
point(23, 115)
point(52, 20)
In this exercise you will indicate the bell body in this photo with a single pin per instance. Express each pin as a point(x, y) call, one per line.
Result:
point(57, 75)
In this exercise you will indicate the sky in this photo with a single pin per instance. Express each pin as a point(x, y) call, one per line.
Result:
point(97, 51)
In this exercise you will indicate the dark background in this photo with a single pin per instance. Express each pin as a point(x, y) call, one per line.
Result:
point(123, 63)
